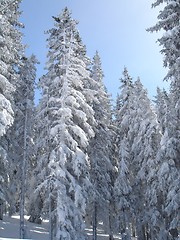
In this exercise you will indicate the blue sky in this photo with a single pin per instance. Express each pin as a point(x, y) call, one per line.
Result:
point(117, 29)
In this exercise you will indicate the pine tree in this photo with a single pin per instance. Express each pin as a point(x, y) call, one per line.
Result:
point(11, 51)
point(100, 150)
point(168, 176)
point(144, 130)
point(138, 139)
point(162, 102)
point(27, 74)
point(168, 21)
point(21, 132)
point(122, 188)
point(65, 120)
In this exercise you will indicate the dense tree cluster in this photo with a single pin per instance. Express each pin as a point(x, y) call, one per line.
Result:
point(85, 162)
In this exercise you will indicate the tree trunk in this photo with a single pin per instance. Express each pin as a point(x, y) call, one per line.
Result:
point(133, 228)
point(95, 221)
point(140, 231)
point(1, 209)
point(124, 228)
point(35, 210)
point(50, 222)
point(148, 232)
point(111, 221)
point(23, 181)
point(11, 210)
point(50, 214)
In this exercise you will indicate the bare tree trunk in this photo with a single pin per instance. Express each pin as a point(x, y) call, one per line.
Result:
point(148, 232)
point(35, 210)
point(111, 221)
point(1, 209)
point(140, 231)
point(95, 221)
point(50, 217)
point(133, 228)
point(12, 209)
point(23, 181)
point(123, 226)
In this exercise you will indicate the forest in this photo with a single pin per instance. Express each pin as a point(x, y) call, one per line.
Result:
point(75, 159)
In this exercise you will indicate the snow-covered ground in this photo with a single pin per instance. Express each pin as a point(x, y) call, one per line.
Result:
point(9, 228)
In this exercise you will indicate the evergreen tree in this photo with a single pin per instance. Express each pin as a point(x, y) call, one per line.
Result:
point(144, 131)
point(24, 128)
point(100, 150)
point(167, 172)
point(65, 120)
point(168, 20)
point(21, 133)
point(138, 139)
point(122, 188)
point(162, 102)
point(11, 51)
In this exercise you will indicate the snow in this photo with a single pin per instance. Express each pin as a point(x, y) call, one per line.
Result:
point(81, 134)
point(9, 229)
point(164, 169)
point(6, 113)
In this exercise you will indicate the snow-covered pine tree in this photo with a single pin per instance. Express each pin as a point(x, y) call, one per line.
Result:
point(100, 152)
point(21, 133)
point(10, 54)
point(122, 190)
point(162, 102)
point(168, 21)
point(167, 172)
point(23, 126)
point(145, 136)
point(6, 87)
point(138, 138)
point(122, 187)
point(66, 122)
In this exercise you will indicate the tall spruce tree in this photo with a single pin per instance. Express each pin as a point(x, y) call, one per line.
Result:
point(66, 122)
point(24, 131)
point(21, 133)
point(162, 102)
point(144, 131)
point(11, 51)
point(100, 151)
point(168, 21)
point(122, 188)
point(138, 139)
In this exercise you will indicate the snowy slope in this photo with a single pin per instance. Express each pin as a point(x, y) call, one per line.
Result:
point(9, 229)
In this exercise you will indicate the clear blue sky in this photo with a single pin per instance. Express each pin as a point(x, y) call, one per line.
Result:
point(117, 29)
